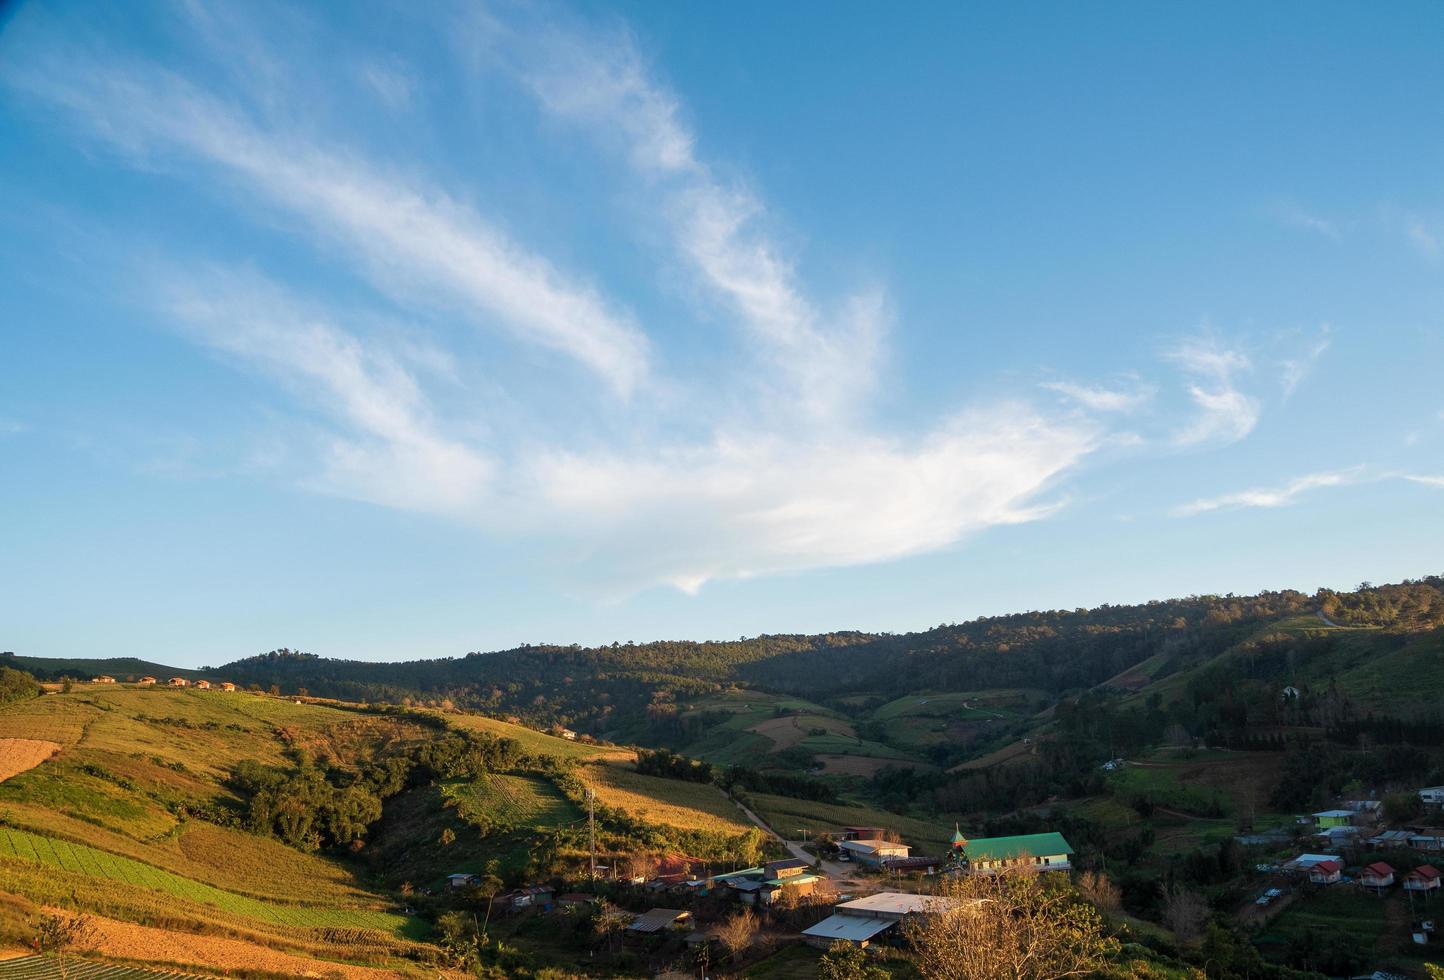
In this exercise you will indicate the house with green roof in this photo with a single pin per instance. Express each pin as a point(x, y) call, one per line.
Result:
point(1045, 852)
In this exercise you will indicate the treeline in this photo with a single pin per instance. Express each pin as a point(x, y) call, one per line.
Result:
point(310, 808)
point(16, 685)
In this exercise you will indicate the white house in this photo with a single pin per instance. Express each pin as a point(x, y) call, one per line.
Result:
point(1432, 795)
point(862, 920)
point(873, 851)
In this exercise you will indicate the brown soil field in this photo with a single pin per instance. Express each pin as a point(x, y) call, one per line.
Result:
point(147, 944)
point(791, 730)
point(20, 754)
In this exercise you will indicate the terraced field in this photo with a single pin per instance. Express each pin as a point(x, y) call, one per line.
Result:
point(652, 799)
point(787, 815)
point(79, 859)
point(539, 743)
point(44, 968)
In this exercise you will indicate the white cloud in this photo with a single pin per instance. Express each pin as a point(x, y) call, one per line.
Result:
point(1295, 369)
point(1300, 218)
point(12, 427)
point(413, 240)
point(392, 81)
point(825, 362)
point(1225, 413)
point(1100, 399)
point(1272, 496)
point(1428, 481)
point(393, 451)
point(1421, 236)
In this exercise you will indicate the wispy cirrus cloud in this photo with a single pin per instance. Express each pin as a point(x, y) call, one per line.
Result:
point(1281, 496)
point(413, 240)
point(1102, 399)
point(1298, 217)
point(1426, 480)
point(1295, 368)
point(824, 360)
point(1224, 412)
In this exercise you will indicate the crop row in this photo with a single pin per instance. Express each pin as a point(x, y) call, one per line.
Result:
point(101, 864)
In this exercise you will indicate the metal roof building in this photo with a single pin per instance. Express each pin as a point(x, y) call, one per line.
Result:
point(852, 928)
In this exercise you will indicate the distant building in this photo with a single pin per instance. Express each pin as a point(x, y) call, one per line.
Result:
point(1377, 875)
point(104, 679)
point(1424, 878)
point(1334, 818)
point(865, 920)
point(1304, 862)
point(655, 921)
point(462, 880)
point(1326, 872)
point(763, 885)
point(204, 685)
point(873, 851)
point(177, 682)
point(1427, 840)
point(862, 833)
point(227, 686)
point(1390, 838)
point(1432, 795)
point(146, 681)
point(1045, 852)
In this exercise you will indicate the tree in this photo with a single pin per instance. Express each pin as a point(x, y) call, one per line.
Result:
point(1012, 925)
point(1184, 912)
point(57, 933)
point(609, 922)
point(847, 961)
point(1100, 890)
point(448, 836)
point(738, 932)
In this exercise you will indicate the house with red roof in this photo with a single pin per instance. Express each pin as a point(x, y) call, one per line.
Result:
point(1326, 872)
point(1424, 878)
point(1377, 875)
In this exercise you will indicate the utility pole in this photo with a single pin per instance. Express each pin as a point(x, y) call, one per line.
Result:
point(592, 829)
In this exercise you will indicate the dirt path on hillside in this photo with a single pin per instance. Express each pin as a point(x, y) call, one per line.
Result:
point(185, 951)
point(841, 874)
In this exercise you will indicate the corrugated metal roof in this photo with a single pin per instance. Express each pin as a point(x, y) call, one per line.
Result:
point(896, 903)
point(656, 919)
point(850, 927)
point(1004, 848)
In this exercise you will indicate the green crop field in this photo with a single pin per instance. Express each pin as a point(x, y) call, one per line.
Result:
point(94, 863)
point(510, 802)
point(46, 968)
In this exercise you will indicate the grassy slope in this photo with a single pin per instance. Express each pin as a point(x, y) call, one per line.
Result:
point(652, 799)
point(100, 819)
point(538, 743)
point(786, 815)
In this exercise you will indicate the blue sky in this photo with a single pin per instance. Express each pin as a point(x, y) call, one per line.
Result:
point(393, 331)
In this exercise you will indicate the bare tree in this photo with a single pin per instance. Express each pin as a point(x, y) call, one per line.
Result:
point(1010, 925)
point(57, 934)
point(1100, 890)
point(738, 932)
point(1184, 912)
point(642, 864)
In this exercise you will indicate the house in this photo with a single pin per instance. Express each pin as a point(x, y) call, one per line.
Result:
point(1427, 840)
point(1432, 795)
point(863, 920)
point(862, 833)
point(1390, 838)
point(1424, 878)
point(658, 920)
point(177, 682)
point(532, 896)
point(1334, 818)
point(1046, 852)
point(203, 685)
point(146, 681)
point(1339, 836)
point(104, 679)
point(227, 686)
point(920, 863)
point(569, 900)
point(763, 886)
point(873, 850)
point(1326, 873)
point(462, 880)
point(1304, 862)
point(1377, 875)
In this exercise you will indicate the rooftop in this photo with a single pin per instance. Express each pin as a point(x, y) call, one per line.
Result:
point(1334, 813)
point(895, 903)
point(849, 927)
point(657, 919)
point(1003, 848)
